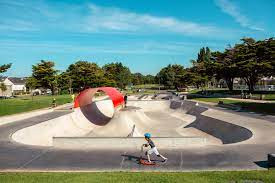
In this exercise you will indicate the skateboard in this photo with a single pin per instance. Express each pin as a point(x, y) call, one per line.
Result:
point(145, 162)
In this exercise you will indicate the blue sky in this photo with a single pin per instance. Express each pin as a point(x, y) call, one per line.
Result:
point(144, 35)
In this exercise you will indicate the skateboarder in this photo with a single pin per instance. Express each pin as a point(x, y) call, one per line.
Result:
point(153, 148)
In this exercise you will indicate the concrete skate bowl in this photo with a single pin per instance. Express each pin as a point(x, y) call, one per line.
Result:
point(94, 112)
point(89, 114)
point(228, 133)
point(100, 123)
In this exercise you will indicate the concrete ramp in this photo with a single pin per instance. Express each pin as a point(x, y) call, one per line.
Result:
point(101, 120)
point(228, 133)
point(75, 124)
point(170, 122)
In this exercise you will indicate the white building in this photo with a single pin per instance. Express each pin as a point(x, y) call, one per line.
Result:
point(14, 86)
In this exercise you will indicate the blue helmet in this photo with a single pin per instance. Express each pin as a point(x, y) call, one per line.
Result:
point(147, 135)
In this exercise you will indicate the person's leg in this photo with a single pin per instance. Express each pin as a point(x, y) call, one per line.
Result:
point(150, 151)
point(164, 158)
point(148, 156)
point(158, 154)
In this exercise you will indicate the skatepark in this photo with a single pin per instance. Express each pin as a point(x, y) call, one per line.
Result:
point(101, 136)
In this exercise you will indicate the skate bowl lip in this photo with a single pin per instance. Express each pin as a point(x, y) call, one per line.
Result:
point(85, 102)
point(85, 97)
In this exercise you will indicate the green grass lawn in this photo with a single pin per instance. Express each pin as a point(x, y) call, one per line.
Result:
point(148, 86)
point(158, 177)
point(263, 108)
point(26, 103)
point(216, 100)
point(269, 95)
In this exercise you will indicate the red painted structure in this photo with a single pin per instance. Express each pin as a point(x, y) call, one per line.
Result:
point(86, 97)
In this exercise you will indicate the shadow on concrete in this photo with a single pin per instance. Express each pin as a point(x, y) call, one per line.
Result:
point(262, 164)
point(136, 159)
point(94, 115)
point(228, 133)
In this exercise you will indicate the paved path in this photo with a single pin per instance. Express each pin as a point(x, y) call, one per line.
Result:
point(19, 157)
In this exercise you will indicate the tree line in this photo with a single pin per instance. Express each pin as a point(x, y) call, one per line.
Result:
point(249, 60)
point(84, 74)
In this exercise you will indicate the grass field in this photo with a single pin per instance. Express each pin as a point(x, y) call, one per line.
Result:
point(147, 86)
point(26, 103)
point(158, 177)
point(263, 108)
point(269, 95)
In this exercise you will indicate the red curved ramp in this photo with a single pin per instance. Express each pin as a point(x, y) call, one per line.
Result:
point(90, 110)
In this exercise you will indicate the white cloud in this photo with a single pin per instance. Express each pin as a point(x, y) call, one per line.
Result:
point(117, 20)
point(234, 11)
point(122, 47)
point(42, 16)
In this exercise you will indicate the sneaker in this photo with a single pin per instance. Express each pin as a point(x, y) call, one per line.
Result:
point(165, 160)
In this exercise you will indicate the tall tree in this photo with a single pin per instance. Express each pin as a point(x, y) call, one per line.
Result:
point(31, 83)
point(202, 67)
point(225, 66)
point(253, 61)
point(172, 76)
point(45, 74)
point(138, 79)
point(84, 74)
point(149, 79)
point(119, 73)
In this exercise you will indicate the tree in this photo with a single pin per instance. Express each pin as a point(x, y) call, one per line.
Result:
point(202, 67)
point(253, 60)
point(3, 87)
point(166, 76)
point(84, 74)
point(118, 73)
point(149, 79)
point(31, 83)
point(64, 83)
point(225, 66)
point(172, 76)
point(45, 74)
point(4, 68)
point(138, 79)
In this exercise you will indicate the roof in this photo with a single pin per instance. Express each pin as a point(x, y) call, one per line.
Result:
point(2, 78)
point(18, 81)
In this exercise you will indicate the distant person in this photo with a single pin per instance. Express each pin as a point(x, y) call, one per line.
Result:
point(153, 148)
point(54, 102)
point(73, 97)
point(125, 100)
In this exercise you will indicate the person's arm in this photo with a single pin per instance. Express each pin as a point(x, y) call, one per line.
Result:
point(145, 145)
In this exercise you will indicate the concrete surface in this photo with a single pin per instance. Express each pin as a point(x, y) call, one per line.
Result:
point(118, 143)
point(102, 121)
point(245, 155)
point(227, 132)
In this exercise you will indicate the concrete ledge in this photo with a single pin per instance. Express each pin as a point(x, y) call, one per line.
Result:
point(125, 143)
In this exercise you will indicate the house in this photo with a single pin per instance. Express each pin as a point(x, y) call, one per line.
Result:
point(14, 86)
